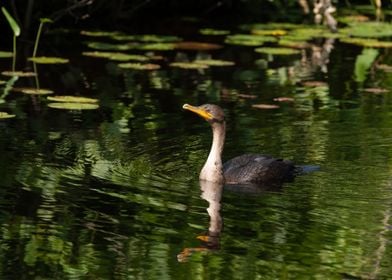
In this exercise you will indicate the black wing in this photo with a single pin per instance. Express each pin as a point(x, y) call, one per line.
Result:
point(258, 169)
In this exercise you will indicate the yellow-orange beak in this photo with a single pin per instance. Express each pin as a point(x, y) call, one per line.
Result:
point(200, 111)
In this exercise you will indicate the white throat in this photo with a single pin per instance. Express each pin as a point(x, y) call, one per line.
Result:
point(213, 169)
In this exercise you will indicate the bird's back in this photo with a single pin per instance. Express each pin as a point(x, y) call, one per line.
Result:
point(258, 169)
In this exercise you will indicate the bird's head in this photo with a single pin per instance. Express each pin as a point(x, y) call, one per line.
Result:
point(210, 112)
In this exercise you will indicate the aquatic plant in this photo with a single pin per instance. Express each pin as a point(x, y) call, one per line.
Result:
point(72, 99)
point(366, 42)
point(213, 32)
point(73, 106)
point(249, 39)
point(214, 62)
point(16, 31)
point(197, 46)
point(189, 65)
point(5, 115)
point(368, 29)
point(41, 24)
point(277, 51)
point(18, 74)
point(146, 38)
point(48, 60)
point(33, 91)
point(139, 66)
point(4, 54)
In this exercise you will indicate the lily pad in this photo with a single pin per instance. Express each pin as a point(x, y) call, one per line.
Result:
point(112, 47)
point(277, 51)
point(189, 65)
point(197, 46)
point(294, 44)
point(49, 60)
point(18, 74)
point(369, 43)
point(139, 66)
point(72, 99)
point(99, 33)
point(118, 56)
point(214, 62)
point(272, 32)
point(6, 54)
point(5, 115)
point(73, 106)
point(33, 91)
point(147, 38)
point(157, 46)
point(249, 39)
point(261, 26)
point(213, 32)
point(369, 29)
point(352, 19)
point(265, 106)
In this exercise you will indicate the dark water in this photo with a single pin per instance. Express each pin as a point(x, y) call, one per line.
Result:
point(114, 193)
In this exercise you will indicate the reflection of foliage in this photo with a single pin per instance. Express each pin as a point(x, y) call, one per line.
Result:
point(363, 63)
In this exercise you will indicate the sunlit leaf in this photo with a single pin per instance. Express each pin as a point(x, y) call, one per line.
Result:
point(363, 63)
point(5, 115)
point(352, 19)
point(147, 38)
point(112, 47)
point(214, 32)
point(139, 66)
point(366, 42)
point(6, 54)
point(249, 39)
point(18, 74)
point(277, 51)
point(99, 33)
point(197, 46)
point(127, 57)
point(294, 44)
point(369, 29)
point(75, 99)
point(157, 46)
point(33, 91)
point(73, 106)
point(48, 60)
point(11, 21)
point(214, 62)
point(189, 65)
point(273, 32)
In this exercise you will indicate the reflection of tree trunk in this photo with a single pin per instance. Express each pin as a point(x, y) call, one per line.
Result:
point(305, 6)
point(383, 240)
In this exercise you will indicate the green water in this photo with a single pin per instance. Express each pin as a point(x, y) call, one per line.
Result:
point(113, 193)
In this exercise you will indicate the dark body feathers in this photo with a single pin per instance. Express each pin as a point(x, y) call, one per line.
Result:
point(258, 169)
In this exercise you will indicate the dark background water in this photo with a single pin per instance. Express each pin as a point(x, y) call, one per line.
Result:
point(114, 193)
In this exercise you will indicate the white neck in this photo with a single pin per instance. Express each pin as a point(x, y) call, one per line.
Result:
point(212, 170)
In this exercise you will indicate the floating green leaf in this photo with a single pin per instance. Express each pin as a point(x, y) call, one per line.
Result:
point(157, 46)
point(273, 32)
point(73, 106)
point(99, 33)
point(369, 29)
point(48, 60)
point(294, 44)
point(6, 54)
point(189, 65)
point(139, 66)
point(366, 42)
point(11, 21)
point(269, 26)
point(18, 74)
point(147, 38)
point(352, 19)
point(249, 39)
point(72, 99)
point(213, 32)
point(197, 46)
point(127, 57)
point(112, 47)
point(33, 91)
point(277, 51)
point(214, 62)
point(363, 63)
point(5, 115)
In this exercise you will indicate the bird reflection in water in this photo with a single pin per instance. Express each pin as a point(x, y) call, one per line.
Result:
point(212, 193)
